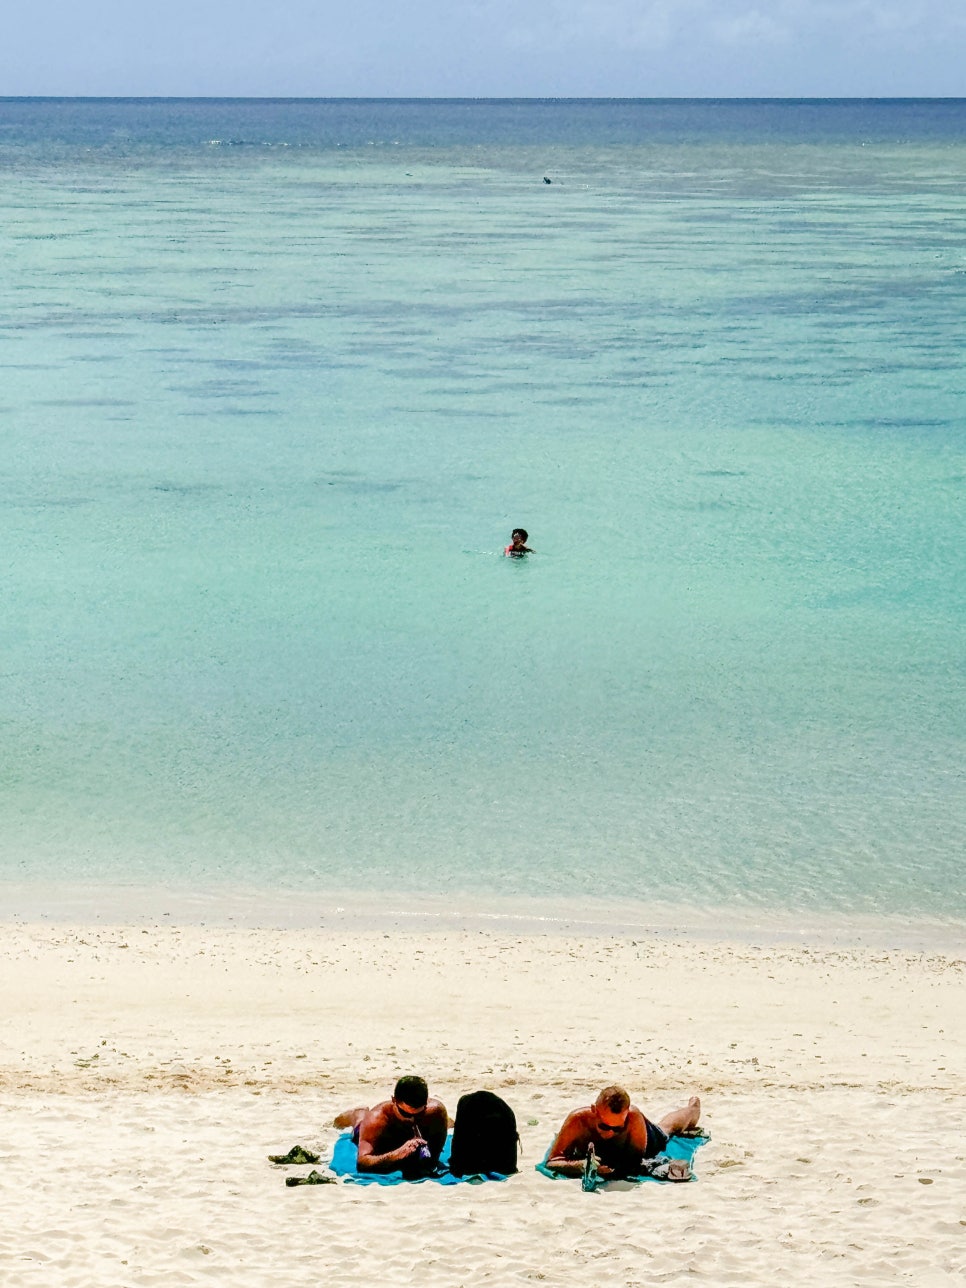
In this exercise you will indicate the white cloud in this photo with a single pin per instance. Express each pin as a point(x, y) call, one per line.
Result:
point(487, 47)
point(751, 27)
point(744, 46)
point(827, 18)
point(658, 24)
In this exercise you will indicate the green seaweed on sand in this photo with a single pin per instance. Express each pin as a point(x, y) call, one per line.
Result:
point(313, 1178)
point(295, 1155)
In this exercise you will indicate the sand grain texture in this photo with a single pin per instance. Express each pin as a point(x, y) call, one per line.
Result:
point(147, 1072)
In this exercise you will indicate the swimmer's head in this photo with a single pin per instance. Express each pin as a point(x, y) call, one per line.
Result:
point(520, 534)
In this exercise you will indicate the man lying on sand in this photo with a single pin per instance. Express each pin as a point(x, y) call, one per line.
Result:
point(405, 1134)
point(620, 1134)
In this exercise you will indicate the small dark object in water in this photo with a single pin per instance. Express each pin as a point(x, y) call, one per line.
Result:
point(546, 180)
point(313, 1178)
point(295, 1155)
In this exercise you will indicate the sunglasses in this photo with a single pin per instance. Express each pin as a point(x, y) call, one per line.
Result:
point(411, 1114)
point(611, 1128)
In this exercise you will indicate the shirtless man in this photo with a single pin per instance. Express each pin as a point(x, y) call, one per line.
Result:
point(405, 1134)
point(619, 1132)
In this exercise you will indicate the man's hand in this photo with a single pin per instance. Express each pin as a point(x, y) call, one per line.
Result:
point(409, 1147)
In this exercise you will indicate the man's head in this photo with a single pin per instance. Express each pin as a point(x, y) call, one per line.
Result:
point(519, 536)
point(611, 1108)
point(409, 1096)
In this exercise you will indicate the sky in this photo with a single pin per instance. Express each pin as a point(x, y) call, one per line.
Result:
point(486, 48)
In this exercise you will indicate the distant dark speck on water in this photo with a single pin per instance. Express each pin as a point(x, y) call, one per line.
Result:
point(546, 180)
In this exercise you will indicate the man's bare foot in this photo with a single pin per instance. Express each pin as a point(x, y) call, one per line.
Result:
point(682, 1121)
point(350, 1117)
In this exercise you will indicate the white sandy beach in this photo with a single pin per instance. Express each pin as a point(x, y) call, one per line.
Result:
point(147, 1071)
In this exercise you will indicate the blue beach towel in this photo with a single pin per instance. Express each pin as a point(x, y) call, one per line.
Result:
point(345, 1159)
point(677, 1147)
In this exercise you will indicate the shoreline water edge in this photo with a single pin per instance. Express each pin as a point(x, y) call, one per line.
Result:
point(365, 911)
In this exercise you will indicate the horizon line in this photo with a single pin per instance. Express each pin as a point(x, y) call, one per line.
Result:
point(487, 98)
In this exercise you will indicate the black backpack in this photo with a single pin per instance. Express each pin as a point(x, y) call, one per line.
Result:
point(484, 1136)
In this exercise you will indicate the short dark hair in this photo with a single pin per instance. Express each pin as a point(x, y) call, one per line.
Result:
point(614, 1099)
point(520, 532)
point(411, 1091)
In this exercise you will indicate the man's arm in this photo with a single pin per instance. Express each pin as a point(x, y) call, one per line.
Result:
point(435, 1125)
point(370, 1160)
point(637, 1132)
point(572, 1139)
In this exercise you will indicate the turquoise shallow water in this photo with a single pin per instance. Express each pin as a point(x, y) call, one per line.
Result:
point(276, 380)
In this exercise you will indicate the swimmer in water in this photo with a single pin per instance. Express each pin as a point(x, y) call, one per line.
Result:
point(518, 544)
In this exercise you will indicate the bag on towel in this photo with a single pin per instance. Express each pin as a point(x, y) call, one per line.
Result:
point(484, 1136)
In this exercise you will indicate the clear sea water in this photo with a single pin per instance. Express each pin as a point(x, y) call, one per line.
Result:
point(278, 378)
